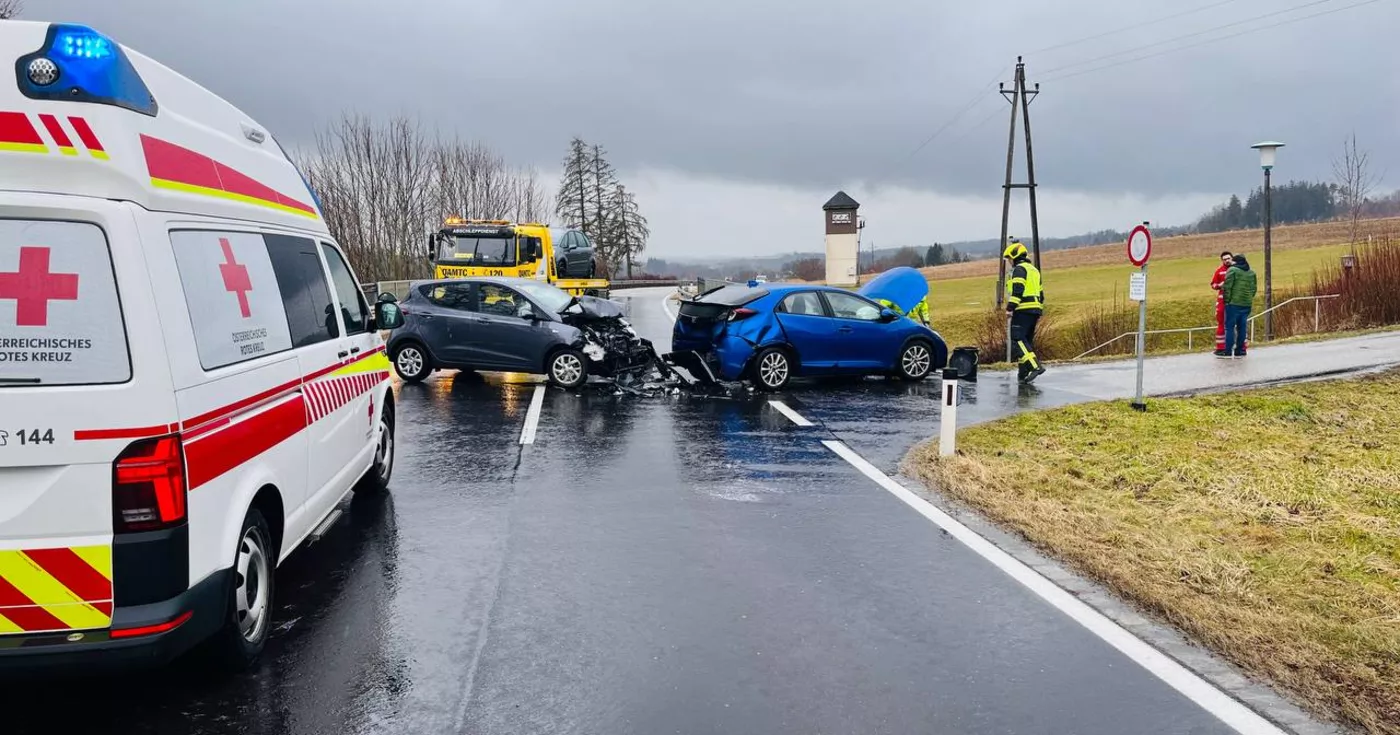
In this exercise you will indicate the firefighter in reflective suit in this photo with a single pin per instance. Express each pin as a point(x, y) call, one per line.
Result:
point(1025, 302)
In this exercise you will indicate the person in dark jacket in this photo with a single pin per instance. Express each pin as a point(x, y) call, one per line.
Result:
point(1241, 285)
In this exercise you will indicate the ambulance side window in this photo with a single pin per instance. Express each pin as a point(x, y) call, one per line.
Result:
point(352, 300)
point(305, 294)
point(231, 290)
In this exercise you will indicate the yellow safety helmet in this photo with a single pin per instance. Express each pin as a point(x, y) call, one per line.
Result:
point(1014, 250)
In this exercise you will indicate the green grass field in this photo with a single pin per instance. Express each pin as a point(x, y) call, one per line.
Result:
point(1179, 293)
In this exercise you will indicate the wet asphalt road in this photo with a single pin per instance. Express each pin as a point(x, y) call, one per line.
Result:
point(649, 565)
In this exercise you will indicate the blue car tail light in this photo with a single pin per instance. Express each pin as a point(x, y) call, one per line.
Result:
point(78, 64)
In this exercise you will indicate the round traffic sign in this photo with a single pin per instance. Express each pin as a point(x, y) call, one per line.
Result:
point(1139, 245)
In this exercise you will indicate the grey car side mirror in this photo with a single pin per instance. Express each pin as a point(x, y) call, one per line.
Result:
point(387, 314)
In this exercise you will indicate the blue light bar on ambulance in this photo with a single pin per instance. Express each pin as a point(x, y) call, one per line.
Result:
point(78, 64)
point(77, 44)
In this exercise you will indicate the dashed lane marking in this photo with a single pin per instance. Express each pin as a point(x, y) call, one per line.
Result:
point(787, 411)
point(1227, 709)
point(532, 417)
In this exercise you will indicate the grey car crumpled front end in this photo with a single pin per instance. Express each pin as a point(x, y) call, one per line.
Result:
point(612, 346)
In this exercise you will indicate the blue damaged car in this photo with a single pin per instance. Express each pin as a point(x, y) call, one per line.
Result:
point(770, 333)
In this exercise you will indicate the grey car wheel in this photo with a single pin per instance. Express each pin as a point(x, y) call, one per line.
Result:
point(568, 369)
point(915, 361)
point(411, 363)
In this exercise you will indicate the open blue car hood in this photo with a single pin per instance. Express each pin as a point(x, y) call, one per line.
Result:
point(904, 287)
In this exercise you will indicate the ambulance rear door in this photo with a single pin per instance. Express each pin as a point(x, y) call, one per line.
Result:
point(83, 382)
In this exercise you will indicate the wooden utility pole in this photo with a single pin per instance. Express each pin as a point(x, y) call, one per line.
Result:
point(1020, 99)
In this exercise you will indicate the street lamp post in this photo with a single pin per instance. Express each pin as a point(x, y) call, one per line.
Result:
point(1268, 152)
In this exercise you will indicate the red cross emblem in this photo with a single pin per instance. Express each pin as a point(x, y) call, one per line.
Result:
point(33, 287)
point(236, 278)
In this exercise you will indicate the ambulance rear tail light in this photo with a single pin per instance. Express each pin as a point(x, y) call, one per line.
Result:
point(78, 64)
point(148, 486)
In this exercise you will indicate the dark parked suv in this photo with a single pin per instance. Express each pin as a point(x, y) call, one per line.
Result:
point(515, 325)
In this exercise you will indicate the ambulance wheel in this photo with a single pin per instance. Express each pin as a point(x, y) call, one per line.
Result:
point(412, 363)
point(772, 369)
point(915, 361)
point(567, 368)
point(376, 479)
point(248, 617)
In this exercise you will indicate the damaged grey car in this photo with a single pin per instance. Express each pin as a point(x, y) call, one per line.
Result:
point(515, 325)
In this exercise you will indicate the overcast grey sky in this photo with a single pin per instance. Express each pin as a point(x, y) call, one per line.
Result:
point(735, 119)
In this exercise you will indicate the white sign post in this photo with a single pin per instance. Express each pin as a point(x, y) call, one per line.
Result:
point(1139, 251)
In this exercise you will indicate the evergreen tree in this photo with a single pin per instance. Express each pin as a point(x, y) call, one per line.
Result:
point(628, 229)
point(602, 183)
point(1234, 213)
point(571, 203)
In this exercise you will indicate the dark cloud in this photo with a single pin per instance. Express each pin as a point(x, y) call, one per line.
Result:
point(804, 93)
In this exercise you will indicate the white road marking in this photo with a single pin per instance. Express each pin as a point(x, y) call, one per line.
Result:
point(666, 307)
point(787, 411)
point(1193, 687)
point(532, 417)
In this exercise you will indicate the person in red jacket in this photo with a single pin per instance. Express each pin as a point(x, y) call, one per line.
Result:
point(1217, 282)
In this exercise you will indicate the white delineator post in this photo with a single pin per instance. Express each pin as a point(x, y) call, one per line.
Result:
point(948, 420)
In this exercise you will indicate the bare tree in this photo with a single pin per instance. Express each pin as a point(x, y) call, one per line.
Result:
point(385, 185)
point(1355, 180)
point(10, 8)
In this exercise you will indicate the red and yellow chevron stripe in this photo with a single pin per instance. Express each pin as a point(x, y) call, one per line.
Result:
point(46, 590)
point(19, 134)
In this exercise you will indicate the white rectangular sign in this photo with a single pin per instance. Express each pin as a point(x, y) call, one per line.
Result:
point(1137, 287)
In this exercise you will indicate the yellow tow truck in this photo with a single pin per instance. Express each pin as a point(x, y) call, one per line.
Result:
point(465, 248)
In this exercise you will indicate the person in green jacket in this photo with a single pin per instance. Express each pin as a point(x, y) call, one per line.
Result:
point(1241, 284)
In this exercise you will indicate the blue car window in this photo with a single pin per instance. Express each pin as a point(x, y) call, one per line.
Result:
point(806, 302)
point(847, 306)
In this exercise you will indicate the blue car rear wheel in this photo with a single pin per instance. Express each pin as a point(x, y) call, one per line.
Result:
point(772, 369)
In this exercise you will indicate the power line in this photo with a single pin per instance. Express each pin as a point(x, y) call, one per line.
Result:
point(977, 97)
point(1211, 40)
point(1135, 26)
point(1186, 36)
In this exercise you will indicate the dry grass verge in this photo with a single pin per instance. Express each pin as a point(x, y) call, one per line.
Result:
point(1285, 237)
point(1265, 524)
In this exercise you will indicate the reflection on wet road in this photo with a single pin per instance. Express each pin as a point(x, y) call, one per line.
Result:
point(648, 564)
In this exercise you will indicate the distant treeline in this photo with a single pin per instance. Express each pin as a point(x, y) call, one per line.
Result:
point(1293, 203)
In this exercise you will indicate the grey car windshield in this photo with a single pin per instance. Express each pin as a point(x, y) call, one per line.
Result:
point(551, 298)
point(478, 250)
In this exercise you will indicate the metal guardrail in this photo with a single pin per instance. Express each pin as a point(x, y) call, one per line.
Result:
point(1189, 331)
point(643, 283)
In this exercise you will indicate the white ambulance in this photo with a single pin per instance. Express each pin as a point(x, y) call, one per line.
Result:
point(191, 380)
